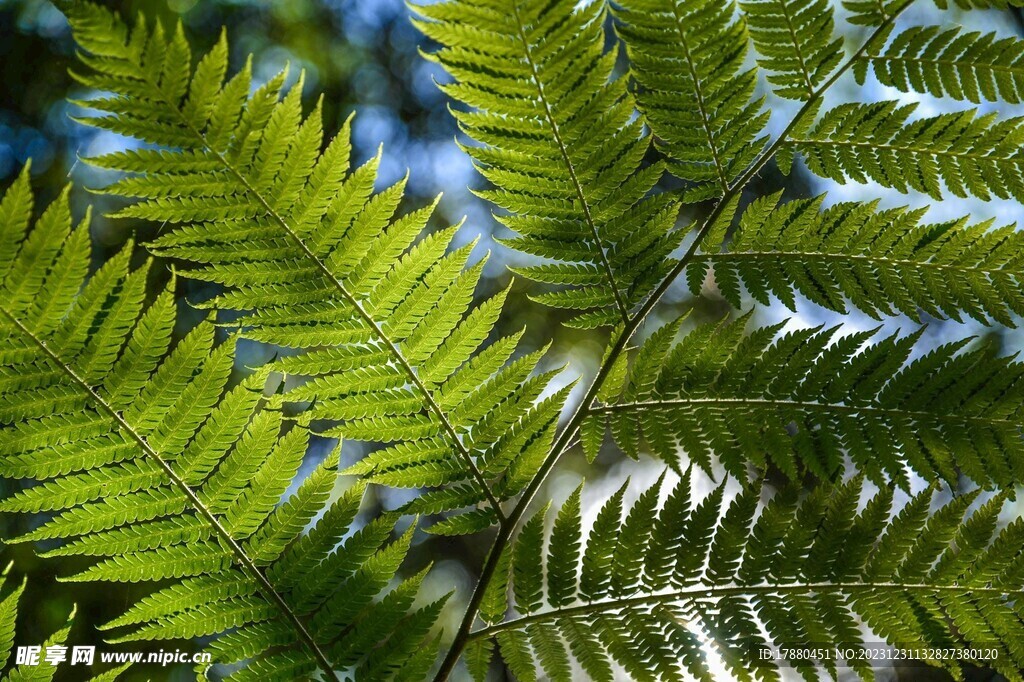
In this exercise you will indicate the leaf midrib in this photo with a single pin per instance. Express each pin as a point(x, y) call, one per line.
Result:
point(904, 147)
point(801, 405)
point(714, 592)
point(1013, 69)
point(824, 255)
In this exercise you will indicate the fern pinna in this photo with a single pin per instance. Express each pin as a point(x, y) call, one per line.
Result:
point(315, 261)
point(562, 148)
point(816, 399)
point(379, 322)
point(149, 464)
point(648, 586)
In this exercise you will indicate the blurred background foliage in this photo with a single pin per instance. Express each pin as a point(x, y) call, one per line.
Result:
point(362, 55)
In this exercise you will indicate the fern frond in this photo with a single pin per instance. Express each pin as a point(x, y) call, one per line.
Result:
point(806, 400)
point(175, 476)
point(693, 576)
point(882, 262)
point(962, 65)
point(795, 41)
point(966, 153)
point(688, 57)
point(395, 352)
point(558, 142)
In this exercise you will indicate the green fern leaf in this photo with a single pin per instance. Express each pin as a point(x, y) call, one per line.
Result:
point(8, 616)
point(794, 39)
point(882, 262)
point(559, 146)
point(806, 400)
point(949, 63)
point(963, 152)
point(703, 115)
point(43, 672)
point(774, 575)
point(313, 260)
point(191, 493)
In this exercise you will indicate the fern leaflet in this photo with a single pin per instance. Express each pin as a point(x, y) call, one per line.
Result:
point(687, 58)
point(559, 144)
point(805, 401)
point(967, 153)
point(316, 262)
point(883, 262)
point(651, 592)
point(794, 39)
point(146, 462)
point(949, 63)
point(28, 672)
